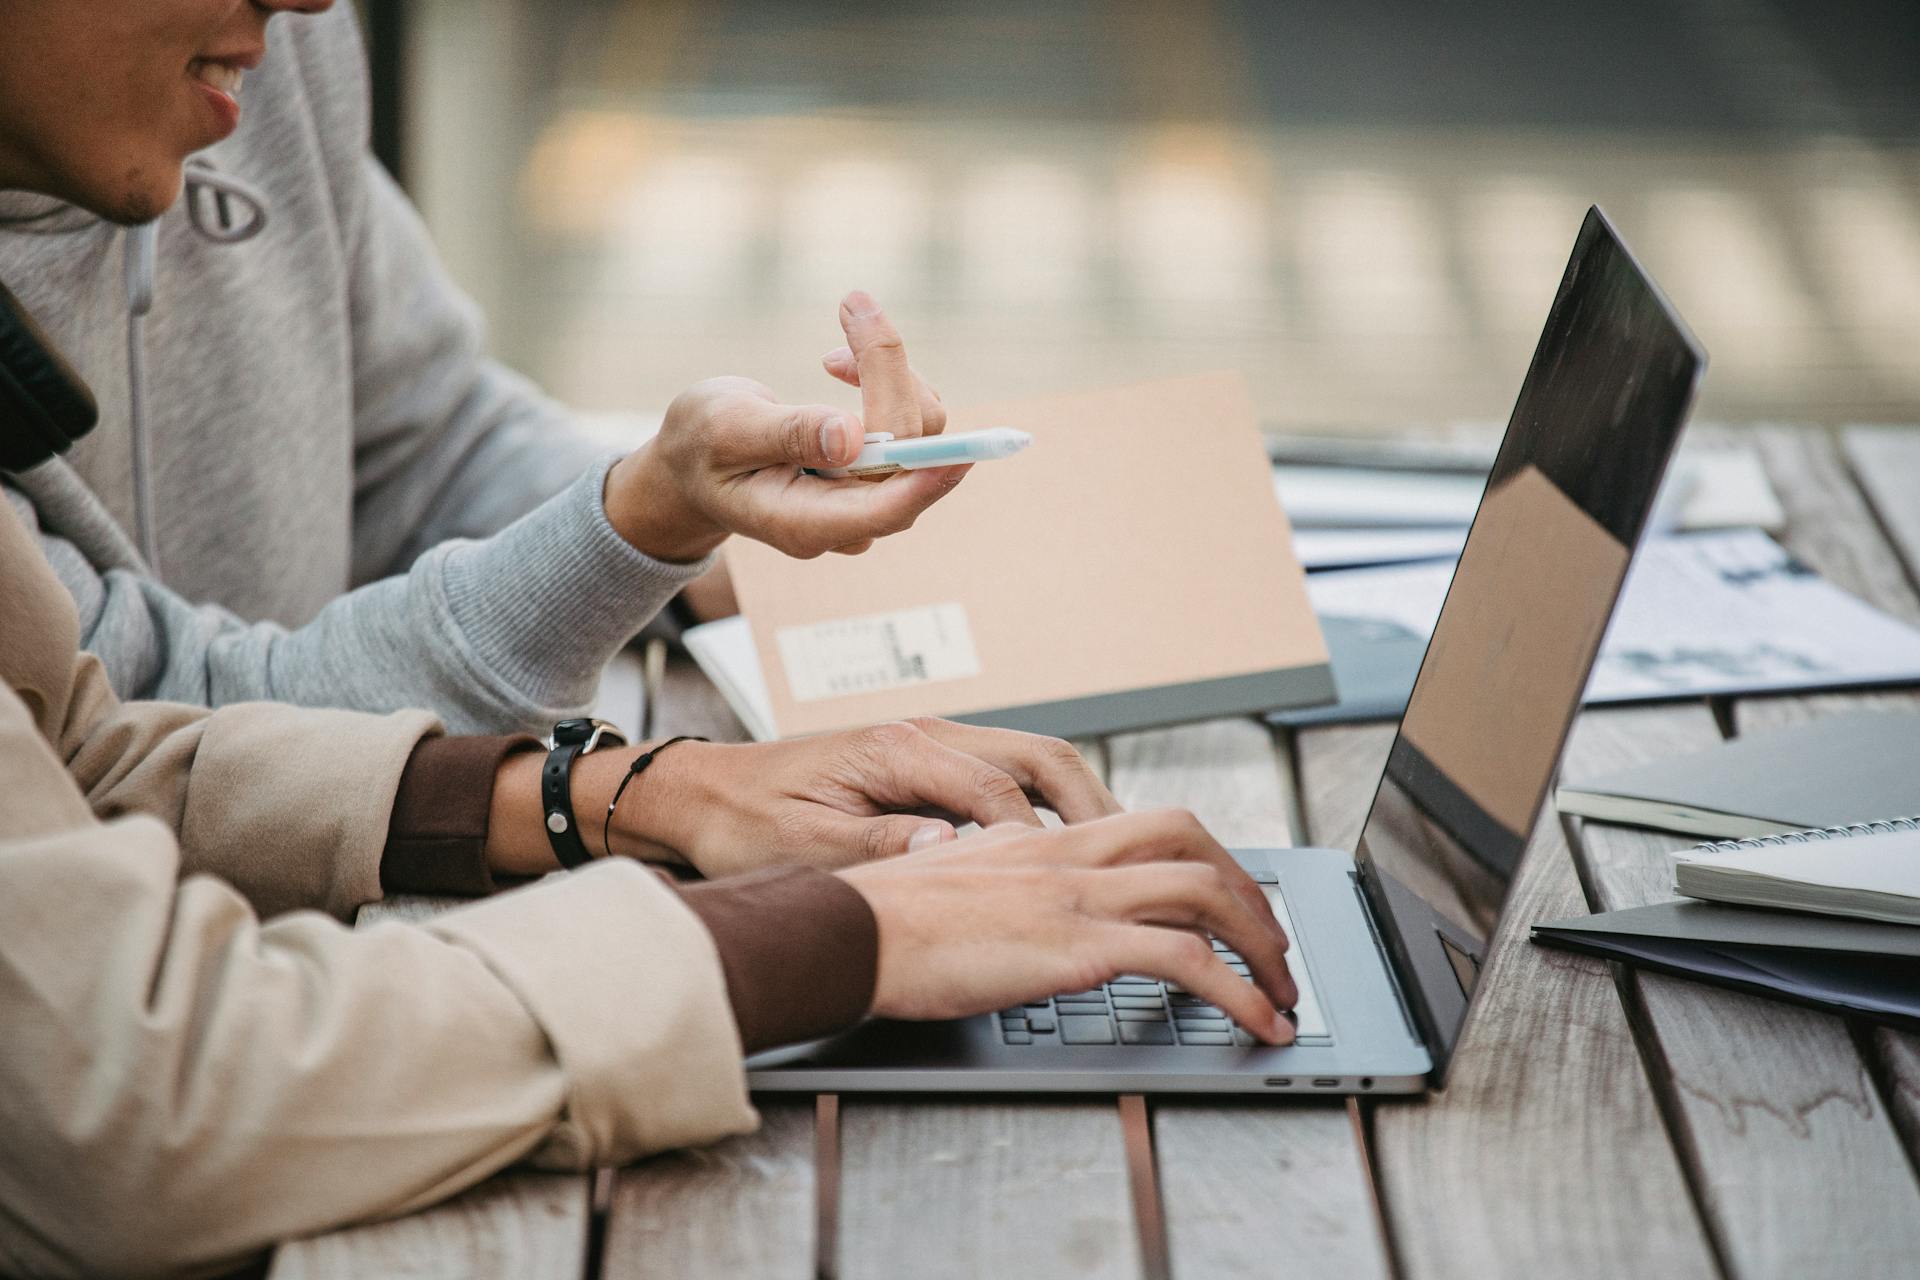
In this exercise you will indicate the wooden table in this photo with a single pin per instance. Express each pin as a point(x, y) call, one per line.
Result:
point(1598, 1122)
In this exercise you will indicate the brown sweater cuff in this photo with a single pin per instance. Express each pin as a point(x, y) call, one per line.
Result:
point(437, 836)
point(800, 949)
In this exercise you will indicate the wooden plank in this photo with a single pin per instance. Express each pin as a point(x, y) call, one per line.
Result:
point(1829, 526)
point(1896, 1053)
point(1055, 1200)
point(1236, 1177)
point(741, 1209)
point(1768, 1100)
point(513, 1225)
point(1546, 1154)
point(985, 1188)
point(744, 1207)
point(939, 1187)
point(1229, 772)
point(1339, 770)
point(1882, 533)
point(1886, 463)
point(1900, 1064)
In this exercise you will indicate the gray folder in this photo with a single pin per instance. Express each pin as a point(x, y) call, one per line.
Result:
point(1857, 967)
point(1827, 773)
point(1374, 664)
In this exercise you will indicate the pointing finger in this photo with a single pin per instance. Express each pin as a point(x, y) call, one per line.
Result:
point(933, 411)
point(889, 396)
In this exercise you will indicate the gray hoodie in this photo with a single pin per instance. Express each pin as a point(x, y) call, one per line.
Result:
point(308, 483)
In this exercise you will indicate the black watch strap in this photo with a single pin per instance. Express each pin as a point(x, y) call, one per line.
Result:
point(571, 740)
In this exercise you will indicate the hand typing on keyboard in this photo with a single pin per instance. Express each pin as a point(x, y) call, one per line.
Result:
point(1015, 914)
point(826, 801)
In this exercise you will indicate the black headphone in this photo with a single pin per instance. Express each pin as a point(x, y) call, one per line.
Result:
point(44, 405)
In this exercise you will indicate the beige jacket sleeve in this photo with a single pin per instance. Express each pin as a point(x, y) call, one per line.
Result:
point(183, 1083)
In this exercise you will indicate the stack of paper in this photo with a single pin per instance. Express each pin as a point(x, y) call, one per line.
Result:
point(1366, 509)
point(1706, 613)
point(1868, 877)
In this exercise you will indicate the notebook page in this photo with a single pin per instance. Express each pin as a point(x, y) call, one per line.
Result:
point(1875, 876)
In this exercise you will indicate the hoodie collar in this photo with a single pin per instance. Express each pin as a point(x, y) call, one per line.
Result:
point(31, 211)
point(222, 208)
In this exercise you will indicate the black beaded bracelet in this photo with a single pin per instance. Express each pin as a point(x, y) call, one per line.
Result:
point(637, 767)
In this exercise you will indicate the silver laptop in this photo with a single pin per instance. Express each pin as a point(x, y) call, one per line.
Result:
point(1389, 940)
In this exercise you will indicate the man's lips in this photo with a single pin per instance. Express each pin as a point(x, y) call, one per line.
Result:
point(218, 82)
point(240, 58)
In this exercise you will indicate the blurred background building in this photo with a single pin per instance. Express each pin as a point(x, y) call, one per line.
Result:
point(1364, 207)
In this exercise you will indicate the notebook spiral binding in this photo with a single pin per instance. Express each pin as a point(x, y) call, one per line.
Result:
point(1877, 827)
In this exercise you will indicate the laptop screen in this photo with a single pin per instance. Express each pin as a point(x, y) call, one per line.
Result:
point(1570, 491)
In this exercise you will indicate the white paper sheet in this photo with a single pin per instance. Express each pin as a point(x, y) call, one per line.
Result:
point(1350, 497)
point(1730, 490)
point(1710, 486)
point(1873, 877)
point(724, 650)
point(1702, 613)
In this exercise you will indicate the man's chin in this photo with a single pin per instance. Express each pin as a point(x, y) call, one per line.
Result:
point(137, 193)
point(140, 198)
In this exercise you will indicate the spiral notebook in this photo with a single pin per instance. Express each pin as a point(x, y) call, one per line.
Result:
point(1866, 871)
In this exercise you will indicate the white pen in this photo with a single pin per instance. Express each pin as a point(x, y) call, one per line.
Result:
point(883, 455)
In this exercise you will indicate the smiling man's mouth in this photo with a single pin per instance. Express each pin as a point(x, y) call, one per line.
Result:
point(217, 75)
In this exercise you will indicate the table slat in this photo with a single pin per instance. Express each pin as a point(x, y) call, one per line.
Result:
point(937, 1188)
point(513, 1225)
point(1547, 1107)
point(1769, 1098)
point(1230, 773)
point(1886, 462)
point(743, 1207)
point(1237, 1177)
point(1036, 1188)
point(1829, 526)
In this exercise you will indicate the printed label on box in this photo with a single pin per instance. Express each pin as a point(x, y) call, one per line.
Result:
point(878, 652)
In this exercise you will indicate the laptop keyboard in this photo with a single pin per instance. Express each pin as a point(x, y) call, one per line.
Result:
point(1135, 1009)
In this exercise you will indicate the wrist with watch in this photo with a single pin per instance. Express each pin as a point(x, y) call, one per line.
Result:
point(571, 740)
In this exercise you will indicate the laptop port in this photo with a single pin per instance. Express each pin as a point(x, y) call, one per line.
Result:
point(1366, 1082)
point(1279, 1082)
point(1326, 1082)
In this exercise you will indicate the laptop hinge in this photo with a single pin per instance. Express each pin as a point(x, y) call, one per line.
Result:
point(1386, 962)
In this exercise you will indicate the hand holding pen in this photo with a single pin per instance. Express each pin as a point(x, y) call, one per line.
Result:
point(731, 458)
